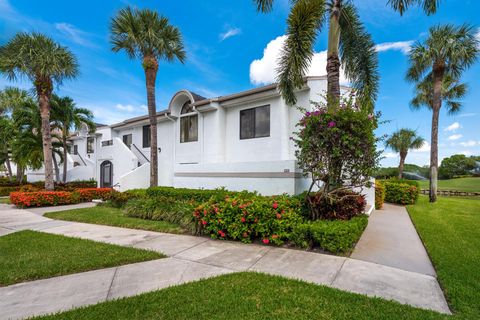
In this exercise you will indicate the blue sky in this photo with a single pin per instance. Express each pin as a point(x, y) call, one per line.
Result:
point(231, 48)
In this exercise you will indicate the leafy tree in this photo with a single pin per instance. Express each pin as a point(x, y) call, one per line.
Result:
point(456, 165)
point(447, 51)
point(401, 141)
point(144, 34)
point(349, 46)
point(45, 63)
point(66, 115)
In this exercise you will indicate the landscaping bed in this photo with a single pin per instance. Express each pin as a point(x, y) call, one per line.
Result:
point(55, 198)
point(30, 255)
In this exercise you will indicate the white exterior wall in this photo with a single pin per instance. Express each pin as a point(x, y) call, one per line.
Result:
point(219, 158)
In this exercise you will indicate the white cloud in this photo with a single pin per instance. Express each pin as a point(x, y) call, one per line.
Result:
point(403, 46)
point(130, 108)
point(74, 34)
point(454, 137)
point(453, 127)
point(390, 155)
point(464, 115)
point(425, 148)
point(263, 71)
point(229, 33)
point(470, 143)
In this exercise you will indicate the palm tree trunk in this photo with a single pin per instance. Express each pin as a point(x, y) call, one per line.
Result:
point(438, 72)
point(9, 167)
point(44, 104)
point(57, 169)
point(150, 65)
point(19, 174)
point(401, 165)
point(333, 60)
point(65, 164)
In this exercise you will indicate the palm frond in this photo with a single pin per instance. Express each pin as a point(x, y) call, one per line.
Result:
point(358, 56)
point(264, 6)
point(428, 6)
point(304, 22)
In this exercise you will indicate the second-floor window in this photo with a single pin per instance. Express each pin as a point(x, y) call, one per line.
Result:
point(90, 143)
point(127, 139)
point(75, 149)
point(146, 136)
point(255, 122)
point(188, 124)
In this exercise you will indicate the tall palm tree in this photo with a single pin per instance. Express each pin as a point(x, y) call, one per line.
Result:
point(6, 136)
point(452, 91)
point(144, 34)
point(349, 46)
point(447, 52)
point(66, 116)
point(45, 63)
point(401, 141)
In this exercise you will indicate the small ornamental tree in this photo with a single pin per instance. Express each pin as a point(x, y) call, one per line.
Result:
point(337, 149)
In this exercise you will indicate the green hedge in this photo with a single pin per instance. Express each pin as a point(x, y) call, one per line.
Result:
point(400, 193)
point(5, 191)
point(379, 194)
point(336, 236)
point(198, 195)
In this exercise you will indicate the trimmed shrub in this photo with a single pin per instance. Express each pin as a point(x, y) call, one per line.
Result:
point(400, 193)
point(162, 208)
point(89, 194)
point(198, 195)
point(342, 204)
point(43, 198)
point(5, 191)
point(379, 195)
point(248, 217)
point(73, 185)
point(414, 183)
point(334, 236)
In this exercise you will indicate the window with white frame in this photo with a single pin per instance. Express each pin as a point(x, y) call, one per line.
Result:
point(188, 124)
point(255, 122)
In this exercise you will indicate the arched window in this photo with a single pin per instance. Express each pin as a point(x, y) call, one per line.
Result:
point(188, 123)
point(106, 174)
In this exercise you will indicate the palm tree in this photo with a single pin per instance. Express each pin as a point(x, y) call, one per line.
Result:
point(429, 6)
point(447, 52)
point(66, 116)
point(349, 46)
point(6, 130)
point(144, 34)
point(452, 91)
point(401, 141)
point(45, 63)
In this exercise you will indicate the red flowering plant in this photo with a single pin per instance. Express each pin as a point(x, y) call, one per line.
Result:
point(248, 217)
point(42, 198)
point(88, 194)
point(336, 148)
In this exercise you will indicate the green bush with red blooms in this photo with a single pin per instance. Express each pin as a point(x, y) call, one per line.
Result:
point(56, 198)
point(248, 217)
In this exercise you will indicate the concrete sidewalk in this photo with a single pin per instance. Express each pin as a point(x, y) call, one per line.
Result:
point(392, 240)
point(193, 258)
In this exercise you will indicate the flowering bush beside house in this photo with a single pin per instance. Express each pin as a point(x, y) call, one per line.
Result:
point(7, 186)
point(401, 191)
point(379, 194)
point(55, 198)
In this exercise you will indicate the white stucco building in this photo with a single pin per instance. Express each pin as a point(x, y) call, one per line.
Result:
point(239, 141)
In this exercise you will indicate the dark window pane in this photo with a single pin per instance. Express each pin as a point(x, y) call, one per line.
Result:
point(75, 149)
point(90, 142)
point(189, 129)
point(127, 139)
point(247, 124)
point(255, 122)
point(262, 122)
point(187, 108)
point(146, 137)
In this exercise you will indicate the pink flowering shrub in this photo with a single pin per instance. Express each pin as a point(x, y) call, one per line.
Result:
point(248, 217)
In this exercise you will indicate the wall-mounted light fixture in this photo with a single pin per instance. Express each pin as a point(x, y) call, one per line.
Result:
point(159, 150)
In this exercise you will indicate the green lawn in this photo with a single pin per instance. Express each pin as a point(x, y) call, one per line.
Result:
point(450, 230)
point(31, 255)
point(113, 217)
point(461, 184)
point(5, 200)
point(248, 296)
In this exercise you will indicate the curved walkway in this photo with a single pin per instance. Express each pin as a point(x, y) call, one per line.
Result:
point(192, 258)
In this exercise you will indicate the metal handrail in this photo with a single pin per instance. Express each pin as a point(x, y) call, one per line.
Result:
point(84, 163)
point(148, 160)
